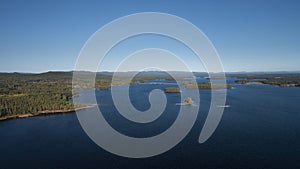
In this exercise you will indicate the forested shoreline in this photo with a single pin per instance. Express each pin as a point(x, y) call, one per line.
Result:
point(32, 94)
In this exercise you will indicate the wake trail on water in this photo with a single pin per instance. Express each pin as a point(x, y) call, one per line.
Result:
point(185, 104)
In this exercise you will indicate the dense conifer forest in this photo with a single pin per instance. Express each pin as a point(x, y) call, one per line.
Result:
point(32, 93)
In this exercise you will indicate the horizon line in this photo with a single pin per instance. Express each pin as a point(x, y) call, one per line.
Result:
point(107, 71)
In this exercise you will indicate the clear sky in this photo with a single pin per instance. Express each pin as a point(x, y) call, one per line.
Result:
point(249, 35)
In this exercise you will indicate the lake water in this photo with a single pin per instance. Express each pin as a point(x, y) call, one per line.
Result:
point(260, 129)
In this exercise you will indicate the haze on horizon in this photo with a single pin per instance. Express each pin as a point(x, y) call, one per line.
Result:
point(41, 36)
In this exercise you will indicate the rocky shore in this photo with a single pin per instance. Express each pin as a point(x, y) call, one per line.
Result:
point(43, 113)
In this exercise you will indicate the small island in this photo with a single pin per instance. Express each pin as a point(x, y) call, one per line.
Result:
point(205, 85)
point(247, 82)
point(172, 90)
point(188, 100)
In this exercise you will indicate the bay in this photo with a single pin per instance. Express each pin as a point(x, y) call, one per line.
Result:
point(260, 129)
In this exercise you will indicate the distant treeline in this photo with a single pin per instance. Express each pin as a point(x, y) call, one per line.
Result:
point(291, 79)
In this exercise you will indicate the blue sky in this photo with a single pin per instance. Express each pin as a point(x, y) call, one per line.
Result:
point(249, 35)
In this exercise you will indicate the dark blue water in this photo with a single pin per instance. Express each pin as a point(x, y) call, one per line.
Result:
point(261, 129)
